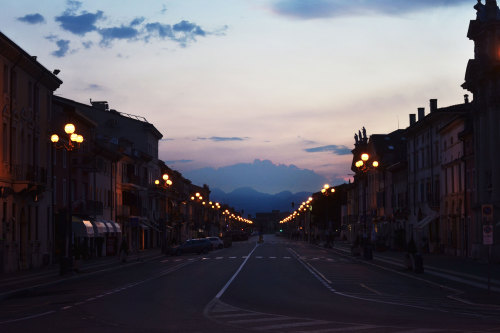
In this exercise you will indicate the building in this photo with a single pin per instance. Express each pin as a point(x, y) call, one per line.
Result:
point(133, 171)
point(27, 90)
point(481, 79)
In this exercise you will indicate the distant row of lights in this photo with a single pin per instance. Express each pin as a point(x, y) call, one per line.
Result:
point(197, 197)
point(307, 204)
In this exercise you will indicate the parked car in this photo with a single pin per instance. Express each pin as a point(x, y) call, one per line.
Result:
point(237, 235)
point(228, 240)
point(196, 245)
point(217, 243)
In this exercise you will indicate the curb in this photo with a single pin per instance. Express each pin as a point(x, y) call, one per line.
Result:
point(54, 278)
point(464, 278)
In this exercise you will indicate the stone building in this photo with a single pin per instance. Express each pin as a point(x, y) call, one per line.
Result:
point(482, 79)
point(26, 89)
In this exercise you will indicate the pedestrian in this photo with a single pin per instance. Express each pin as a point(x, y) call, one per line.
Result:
point(123, 253)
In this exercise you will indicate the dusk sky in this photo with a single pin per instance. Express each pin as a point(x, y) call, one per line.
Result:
point(234, 81)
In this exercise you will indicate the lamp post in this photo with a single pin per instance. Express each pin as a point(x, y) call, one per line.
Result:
point(365, 165)
point(71, 143)
point(327, 191)
point(166, 184)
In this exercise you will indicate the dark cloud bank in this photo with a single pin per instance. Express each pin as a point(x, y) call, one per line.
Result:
point(313, 9)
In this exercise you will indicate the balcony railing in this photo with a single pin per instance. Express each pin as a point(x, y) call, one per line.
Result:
point(89, 207)
point(123, 210)
point(29, 173)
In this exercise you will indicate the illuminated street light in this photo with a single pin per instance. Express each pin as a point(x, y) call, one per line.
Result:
point(71, 143)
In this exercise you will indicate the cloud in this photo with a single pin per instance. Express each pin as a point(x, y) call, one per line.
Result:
point(137, 21)
point(222, 139)
point(182, 32)
point(87, 44)
point(94, 87)
point(63, 48)
point(160, 30)
point(79, 24)
point(32, 19)
point(123, 32)
point(167, 139)
point(178, 161)
point(262, 175)
point(337, 150)
point(313, 9)
point(189, 28)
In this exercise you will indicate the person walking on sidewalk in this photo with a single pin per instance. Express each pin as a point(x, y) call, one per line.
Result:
point(123, 253)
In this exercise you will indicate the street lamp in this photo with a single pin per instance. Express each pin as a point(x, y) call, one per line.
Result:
point(166, 184)
point(71, 143)
point(364, 165)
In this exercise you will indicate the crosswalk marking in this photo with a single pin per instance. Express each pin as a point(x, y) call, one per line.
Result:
point(341, 329)
point(226, 314)
point(290, 325)
point(330, 260)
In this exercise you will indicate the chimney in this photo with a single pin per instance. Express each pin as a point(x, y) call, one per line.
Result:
point(434, 104)
point(413, 119)
point(101, 105)
point(421, 113)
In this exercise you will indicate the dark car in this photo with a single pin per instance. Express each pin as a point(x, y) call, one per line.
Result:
point(237, 235)
point(196, 245)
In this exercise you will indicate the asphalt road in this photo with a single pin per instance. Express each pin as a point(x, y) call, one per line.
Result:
point(277, 286)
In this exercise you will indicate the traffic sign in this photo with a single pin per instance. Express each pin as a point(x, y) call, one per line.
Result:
point(487, 210)
point(488, 234)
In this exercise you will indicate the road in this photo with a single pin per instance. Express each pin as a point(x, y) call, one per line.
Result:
point(277, 286)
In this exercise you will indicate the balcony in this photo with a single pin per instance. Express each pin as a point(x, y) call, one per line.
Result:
point(88, 207)
point(28, 173)
point(123, 210)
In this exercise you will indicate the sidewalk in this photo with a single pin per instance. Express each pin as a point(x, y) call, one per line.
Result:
point(465, 271)
point(15, 283)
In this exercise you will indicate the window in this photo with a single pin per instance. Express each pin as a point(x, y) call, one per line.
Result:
point(14, 145)
point(14, 84)
point(5, 145)
point(64, 192)
point(54, 188)
point(30, 94)
point(14, 222)
point(452, 169)
point(36, 101)
point(460, 177)
point(5, 78)
point(4, 220)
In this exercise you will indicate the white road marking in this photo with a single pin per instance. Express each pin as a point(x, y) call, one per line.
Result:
point(221, 292)
point(257, 320)
point(342, 329)
point(26, 318)
point(370, 289)
point(280, 326)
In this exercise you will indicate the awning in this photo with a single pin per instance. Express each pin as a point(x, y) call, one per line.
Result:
point(113, 227)
point(426, 220)
point(99, 228)
point(82, 228)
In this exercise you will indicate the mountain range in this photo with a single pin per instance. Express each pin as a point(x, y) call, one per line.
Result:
point(262, 175)
point(250, 201)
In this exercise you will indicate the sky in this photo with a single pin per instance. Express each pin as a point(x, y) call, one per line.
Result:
point(243, 81)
